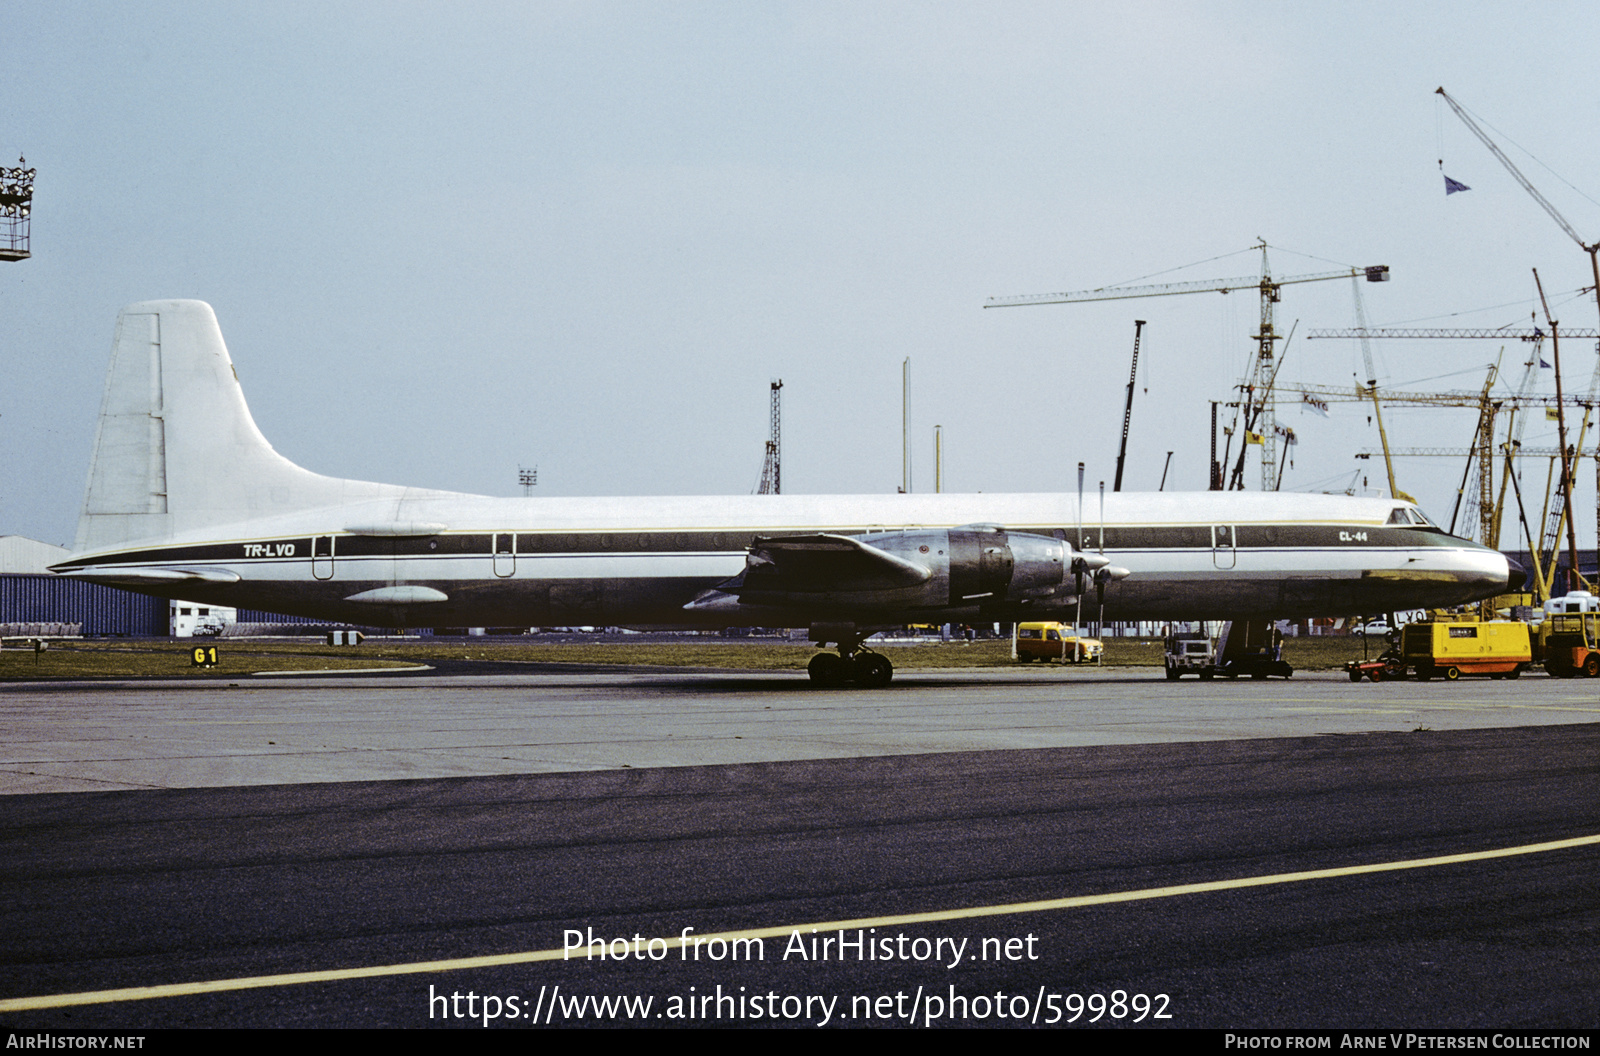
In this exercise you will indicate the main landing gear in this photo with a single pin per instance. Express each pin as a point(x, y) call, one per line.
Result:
point(851, 665)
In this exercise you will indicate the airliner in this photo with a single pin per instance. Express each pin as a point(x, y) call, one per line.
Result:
point(186, 499)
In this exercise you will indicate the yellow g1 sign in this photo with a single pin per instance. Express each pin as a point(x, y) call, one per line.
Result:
point(203, 656)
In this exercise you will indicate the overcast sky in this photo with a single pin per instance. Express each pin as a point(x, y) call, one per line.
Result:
point(446, 240)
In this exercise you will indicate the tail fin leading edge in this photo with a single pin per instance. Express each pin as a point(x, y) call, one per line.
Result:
point(176, 448)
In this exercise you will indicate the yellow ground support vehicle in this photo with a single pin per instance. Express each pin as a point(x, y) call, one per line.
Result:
point(1570, 644)
point(1055, 641)
point(1499, 649)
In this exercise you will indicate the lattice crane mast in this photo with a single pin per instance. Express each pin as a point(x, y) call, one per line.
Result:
point(771, 468)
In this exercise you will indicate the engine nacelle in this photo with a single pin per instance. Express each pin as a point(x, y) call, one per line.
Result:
point(910, 574)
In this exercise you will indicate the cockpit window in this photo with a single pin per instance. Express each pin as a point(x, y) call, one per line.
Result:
point(1409, 515)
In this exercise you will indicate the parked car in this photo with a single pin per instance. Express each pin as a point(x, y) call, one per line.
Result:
point(1055, 641)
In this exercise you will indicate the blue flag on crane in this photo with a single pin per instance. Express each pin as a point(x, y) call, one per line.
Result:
point(1452, 186)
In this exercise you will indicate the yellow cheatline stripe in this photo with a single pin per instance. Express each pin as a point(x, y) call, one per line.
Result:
point(146, 993)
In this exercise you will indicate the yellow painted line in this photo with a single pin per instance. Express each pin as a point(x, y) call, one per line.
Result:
point(146, 993)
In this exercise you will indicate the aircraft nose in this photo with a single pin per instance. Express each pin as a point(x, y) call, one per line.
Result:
point(1516, 577)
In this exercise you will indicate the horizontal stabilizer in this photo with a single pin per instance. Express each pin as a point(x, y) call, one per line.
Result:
point(137, 577)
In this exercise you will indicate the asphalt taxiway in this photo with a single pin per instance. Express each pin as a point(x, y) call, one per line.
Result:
point(167, 734)
point(397, 850)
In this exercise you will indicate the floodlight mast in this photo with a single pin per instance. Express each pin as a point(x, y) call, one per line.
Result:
point(16, 210)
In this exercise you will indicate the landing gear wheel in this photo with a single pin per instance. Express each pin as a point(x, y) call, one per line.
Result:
point(871, 670)
point(827, 669)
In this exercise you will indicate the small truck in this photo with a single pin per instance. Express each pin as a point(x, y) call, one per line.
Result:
point(1570, 644)
point(1190, 652)
point(1497, 648)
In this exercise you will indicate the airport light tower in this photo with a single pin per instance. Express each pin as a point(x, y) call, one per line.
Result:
point(16, 210)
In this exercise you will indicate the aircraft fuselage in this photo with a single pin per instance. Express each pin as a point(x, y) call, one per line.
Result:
point(644, 561)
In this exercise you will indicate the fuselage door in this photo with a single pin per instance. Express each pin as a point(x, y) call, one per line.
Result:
point(1222, 548)
point(322, 557)
point(505, 554)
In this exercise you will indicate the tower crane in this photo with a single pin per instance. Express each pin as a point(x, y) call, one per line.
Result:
point(1483, 448)
point(1591, 248)
point(1259, 387)
point(1541, 549)
point(1372, 388)
point(1514, 427)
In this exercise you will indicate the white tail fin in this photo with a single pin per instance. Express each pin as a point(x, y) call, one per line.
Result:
point(176, 448)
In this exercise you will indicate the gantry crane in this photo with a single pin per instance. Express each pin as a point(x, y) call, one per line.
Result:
point(1260, 417)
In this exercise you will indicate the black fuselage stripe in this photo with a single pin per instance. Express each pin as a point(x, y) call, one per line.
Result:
point(1129, 540)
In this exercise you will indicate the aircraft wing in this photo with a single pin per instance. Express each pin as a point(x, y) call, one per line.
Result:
point(824, 562)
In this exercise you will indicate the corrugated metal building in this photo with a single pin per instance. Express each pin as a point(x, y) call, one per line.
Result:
point(31, 595)
point(96, 609)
